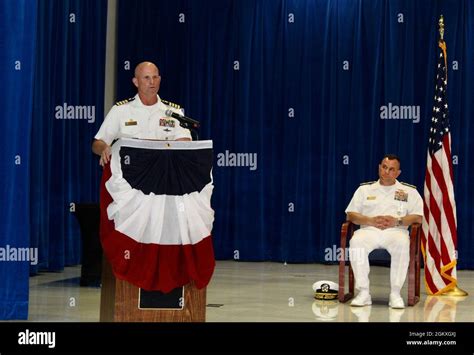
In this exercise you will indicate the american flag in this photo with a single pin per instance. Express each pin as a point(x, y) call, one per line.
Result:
point(439, 235)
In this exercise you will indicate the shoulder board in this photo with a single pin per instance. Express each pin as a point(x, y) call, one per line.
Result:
point(404, 183)
point(368, 183)
point(172, 104)
point(118, 103)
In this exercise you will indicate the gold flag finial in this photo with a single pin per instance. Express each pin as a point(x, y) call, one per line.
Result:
point(441, 27)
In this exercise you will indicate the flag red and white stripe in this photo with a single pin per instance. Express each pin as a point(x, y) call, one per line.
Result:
point(439, 228)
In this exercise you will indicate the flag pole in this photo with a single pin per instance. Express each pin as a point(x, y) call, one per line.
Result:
point(456, 291)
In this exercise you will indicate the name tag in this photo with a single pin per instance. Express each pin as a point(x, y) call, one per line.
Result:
point(131, 123)
point(371, 197)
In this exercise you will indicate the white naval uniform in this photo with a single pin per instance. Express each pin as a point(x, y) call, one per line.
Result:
point(132, 119)
point(372, 200)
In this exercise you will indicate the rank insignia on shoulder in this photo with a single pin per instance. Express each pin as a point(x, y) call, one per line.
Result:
point(367, 183)
point(118, 103)
point(371, 197)
point(409, 185)
point(172, 104)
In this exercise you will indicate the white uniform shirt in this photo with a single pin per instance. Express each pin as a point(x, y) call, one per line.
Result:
point(133, 119)
point(397, 200)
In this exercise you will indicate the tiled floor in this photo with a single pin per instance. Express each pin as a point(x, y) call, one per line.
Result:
point(259, 292)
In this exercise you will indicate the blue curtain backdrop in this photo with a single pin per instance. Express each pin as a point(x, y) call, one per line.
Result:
point(18, 28)
point(301, 84)
point(67, 112)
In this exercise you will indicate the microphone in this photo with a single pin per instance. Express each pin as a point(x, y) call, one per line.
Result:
point(183, 119)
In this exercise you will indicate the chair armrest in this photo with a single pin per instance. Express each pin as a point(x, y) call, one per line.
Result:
point(415, 229)
point(347, 229)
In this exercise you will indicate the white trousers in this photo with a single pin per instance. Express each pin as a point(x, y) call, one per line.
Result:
point(395, 240)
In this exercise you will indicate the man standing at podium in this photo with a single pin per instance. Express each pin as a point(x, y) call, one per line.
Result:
point(142, 116)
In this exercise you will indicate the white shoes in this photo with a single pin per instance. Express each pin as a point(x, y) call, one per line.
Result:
point(396, 301)
point(362, 299)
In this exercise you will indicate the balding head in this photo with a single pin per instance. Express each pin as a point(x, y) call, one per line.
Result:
point(147, 80)
point(143, 65)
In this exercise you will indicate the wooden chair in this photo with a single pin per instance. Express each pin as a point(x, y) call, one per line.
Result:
point(347, 231)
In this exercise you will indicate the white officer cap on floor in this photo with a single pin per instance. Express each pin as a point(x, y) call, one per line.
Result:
point(325, 290)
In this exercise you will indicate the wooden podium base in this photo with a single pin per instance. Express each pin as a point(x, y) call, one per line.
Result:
point(121, 301)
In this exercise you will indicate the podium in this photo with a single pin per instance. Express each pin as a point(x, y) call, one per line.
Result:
point(156, 223)
point(120, 302)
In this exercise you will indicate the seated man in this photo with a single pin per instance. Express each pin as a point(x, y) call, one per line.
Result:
point(384, 209)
